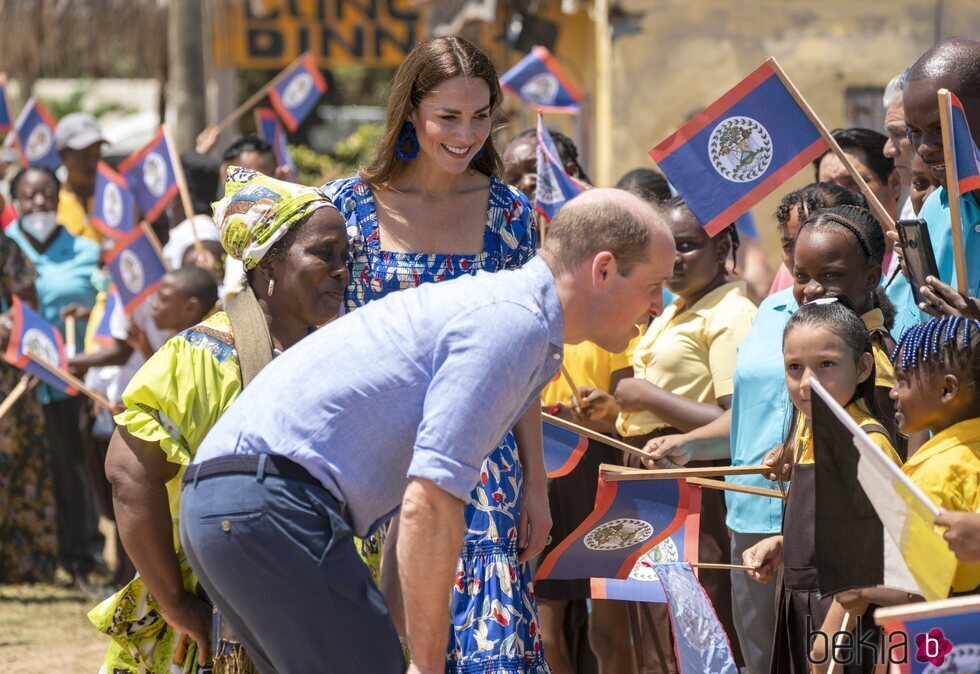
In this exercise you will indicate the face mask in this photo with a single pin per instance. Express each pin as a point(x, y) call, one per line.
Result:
point(39, 225)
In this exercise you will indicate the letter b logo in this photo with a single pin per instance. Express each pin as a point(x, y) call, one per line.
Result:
point(932, 647)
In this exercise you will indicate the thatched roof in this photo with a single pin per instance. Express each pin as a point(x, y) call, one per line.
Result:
point(83, 38)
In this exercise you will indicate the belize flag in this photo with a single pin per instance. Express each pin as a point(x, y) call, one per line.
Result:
point(136, 269)
point(563, 449)
point(149, 172)
point(298, 90)
point(35, 136)
point(554, 186)
point(643, 582)
point(103, 333)
point(5, 123)
point(630, 518)
point(939, 636)
point(740, 148)
point(271, 131)
point(539, 82)
point(33, 339)
point(114, 210)
point(965, 151)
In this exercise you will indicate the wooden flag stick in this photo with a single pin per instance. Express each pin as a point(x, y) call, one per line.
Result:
point(155, 242)
point(571, 384)
point(185, 193)
point(953, 190)
point(628, 474)
point(846, 626)
point(594, 435)
point(75, 382)
point(876, 207)
point(70, 336)
point(927, 609)
point(734, 486)
point(14, 395)
point(724, 567)
point(254, 99)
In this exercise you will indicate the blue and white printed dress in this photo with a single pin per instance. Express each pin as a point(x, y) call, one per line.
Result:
point(495, 618)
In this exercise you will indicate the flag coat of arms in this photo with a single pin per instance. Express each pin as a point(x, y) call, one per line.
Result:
point(539, 82)
point(149, 172)
point(271, 131)
point(913, 556)
point(643, 582)
point(136, 269)
point(5, 119)
point(114, 208)
point(740, 148)
point(563, 449)
point(35, 136)
point(966, 151)
point(554, 185)
point(103, 333)
point(33, 339)
point(629, 519)
point(296, 95)
point(942, 636)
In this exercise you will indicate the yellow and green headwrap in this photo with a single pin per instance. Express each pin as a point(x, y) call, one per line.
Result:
point(258, 210)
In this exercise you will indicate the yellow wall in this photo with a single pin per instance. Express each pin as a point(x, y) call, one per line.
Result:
point(689, 52)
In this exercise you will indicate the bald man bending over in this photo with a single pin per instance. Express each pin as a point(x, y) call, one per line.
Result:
point(395, 406)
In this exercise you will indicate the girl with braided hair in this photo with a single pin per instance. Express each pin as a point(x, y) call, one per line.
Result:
point(937, 389)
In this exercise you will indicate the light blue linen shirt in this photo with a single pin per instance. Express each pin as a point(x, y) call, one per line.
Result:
point(422, 383)
point(761, 412)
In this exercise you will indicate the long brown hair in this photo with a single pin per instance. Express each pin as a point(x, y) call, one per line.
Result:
point(429, 64)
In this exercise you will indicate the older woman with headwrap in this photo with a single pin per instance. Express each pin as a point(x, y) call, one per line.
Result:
point(293, 245)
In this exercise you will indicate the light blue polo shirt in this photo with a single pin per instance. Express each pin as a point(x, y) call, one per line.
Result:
point(65, 276)
point(761, 412)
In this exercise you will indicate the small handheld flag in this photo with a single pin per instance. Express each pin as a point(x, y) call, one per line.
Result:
point(136, 269)
point(740, 148)
point(554, 186)
point(539, 82)
point(149, 173)
point(700, 641)
point(298, 91)
point(642, 583)
point(629, 519)
point(33, 340)
point(114, 210)
point(103, 333)
point(940, 636)
point(35, 136)
point(913, 555)
point(271, 131)
point(5, 120)
point(962, 174)
point(563, 449)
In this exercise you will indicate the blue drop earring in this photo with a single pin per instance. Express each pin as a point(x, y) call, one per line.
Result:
point(408, 138)
point(477, 156)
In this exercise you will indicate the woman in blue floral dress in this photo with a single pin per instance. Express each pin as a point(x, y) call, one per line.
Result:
point(431, 190)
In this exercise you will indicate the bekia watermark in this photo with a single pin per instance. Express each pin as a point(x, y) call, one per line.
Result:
point(867, 644)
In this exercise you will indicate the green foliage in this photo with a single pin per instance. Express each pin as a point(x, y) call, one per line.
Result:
point(76, 103)
point(350, 154)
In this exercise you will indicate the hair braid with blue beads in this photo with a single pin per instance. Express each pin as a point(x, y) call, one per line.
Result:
point(941, 345)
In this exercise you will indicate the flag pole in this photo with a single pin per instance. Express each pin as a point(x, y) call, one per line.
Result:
point(723, 567)
point(953, 190)
point(251, 102)
point(571, 384)
point(603, 95)
point(75, 382)
point(624, 474)
point(155, 242)
point(846, 626)
point(185, 193)
point(594, 435)
point(734, 486)
point(876, 207)
point(15, 394)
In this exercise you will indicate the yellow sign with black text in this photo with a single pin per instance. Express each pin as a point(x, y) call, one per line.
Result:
point(270, 34)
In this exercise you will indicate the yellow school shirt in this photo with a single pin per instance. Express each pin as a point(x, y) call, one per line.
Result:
point(73, 216)
point(588, 365)
point(691, 351)
point(947, 469)
point(884, 371)
point(803, 440)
